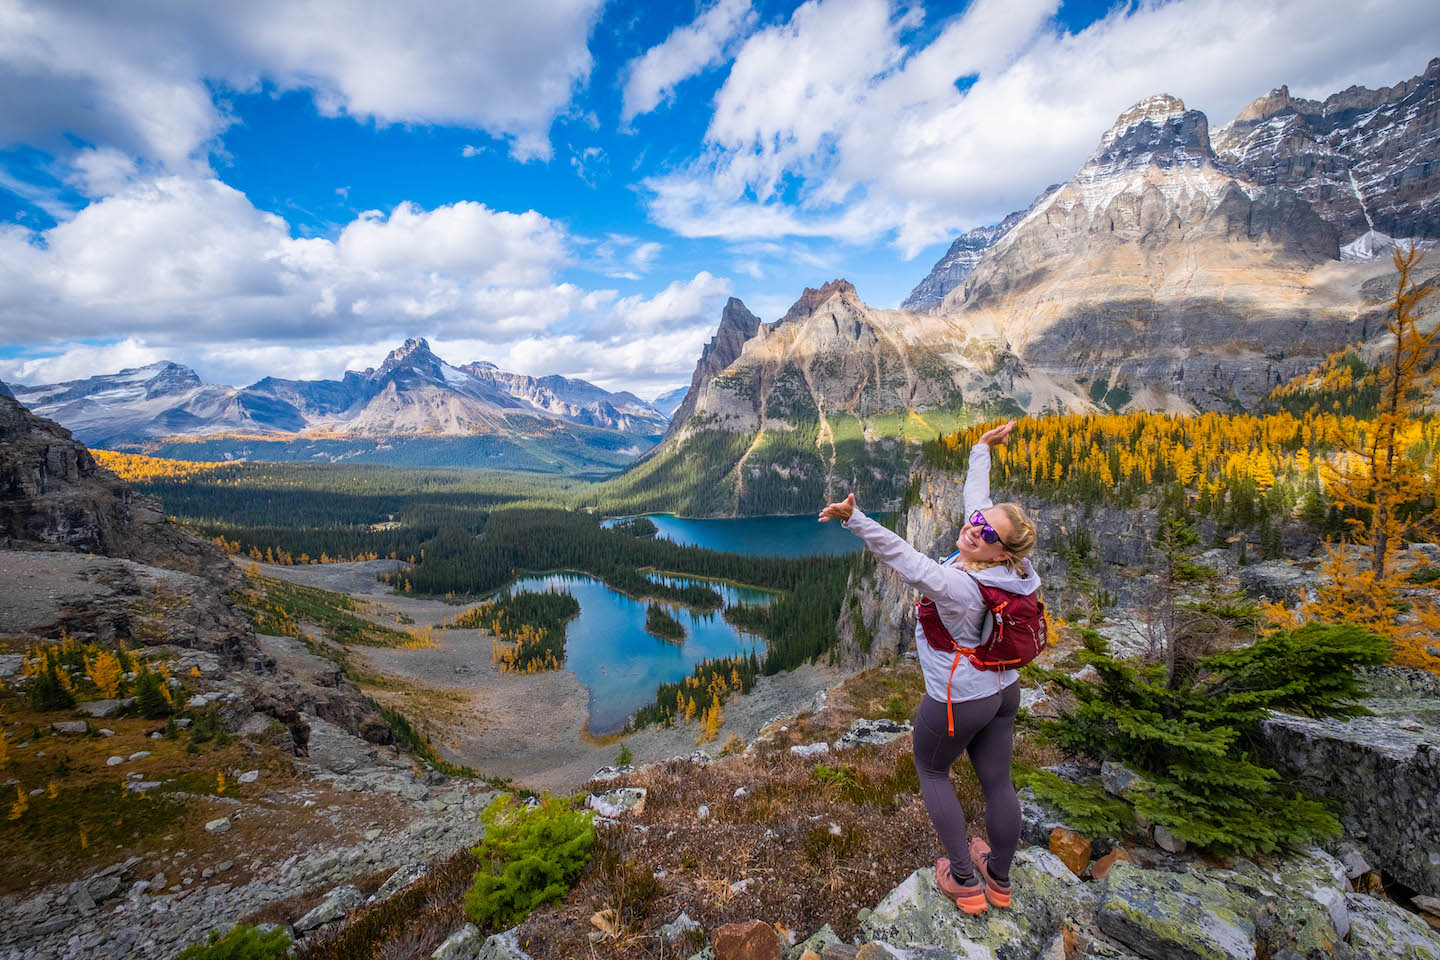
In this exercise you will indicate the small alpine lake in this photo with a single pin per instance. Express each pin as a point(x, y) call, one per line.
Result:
point(791, 535)
point(620, 664)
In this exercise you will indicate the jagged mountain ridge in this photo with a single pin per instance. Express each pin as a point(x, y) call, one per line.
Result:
point(413, 393)
point(959, 261)
point(1364, 159)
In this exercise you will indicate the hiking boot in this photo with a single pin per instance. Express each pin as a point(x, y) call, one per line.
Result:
point(969, 897)
point(997, 893)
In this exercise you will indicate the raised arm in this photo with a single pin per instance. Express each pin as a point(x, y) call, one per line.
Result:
point(977, 477)
point(934, 579)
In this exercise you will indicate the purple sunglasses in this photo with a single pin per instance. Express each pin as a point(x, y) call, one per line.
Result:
point(987, 532)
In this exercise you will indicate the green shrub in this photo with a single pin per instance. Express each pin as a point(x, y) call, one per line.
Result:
point(245, 942)
point(624, 756)
point(895, 709)
point(529, 857)
point(1195, 739)
point(1088, 808)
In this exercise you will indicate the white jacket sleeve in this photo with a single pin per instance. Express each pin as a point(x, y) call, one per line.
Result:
point(977, 481)
point(948, 587)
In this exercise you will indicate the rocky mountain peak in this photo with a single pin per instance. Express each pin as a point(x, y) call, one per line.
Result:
point(413, 353)
point(1157, 131)
point(737, 326)
point(1275, 102)
point(812, 299)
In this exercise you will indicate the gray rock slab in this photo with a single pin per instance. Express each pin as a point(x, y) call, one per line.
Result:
point(1176, 916)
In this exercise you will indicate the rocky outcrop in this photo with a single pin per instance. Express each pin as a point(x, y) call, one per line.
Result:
point(53, 496)
point(1364, 159)
point(82, 553)
point(1392, 772)
point(737, 326)
point(1296, 906)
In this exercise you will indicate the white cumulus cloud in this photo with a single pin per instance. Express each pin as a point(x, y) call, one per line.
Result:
point(134, 76)
point(651, 78)
point(835, 123)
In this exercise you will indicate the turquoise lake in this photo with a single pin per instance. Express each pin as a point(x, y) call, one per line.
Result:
point(787, 536)
point(621, 664)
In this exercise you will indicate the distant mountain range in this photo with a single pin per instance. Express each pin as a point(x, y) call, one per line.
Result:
point(415, 408)
point(1173, 271)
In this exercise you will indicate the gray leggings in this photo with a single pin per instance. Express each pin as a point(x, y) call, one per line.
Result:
point(986, 728)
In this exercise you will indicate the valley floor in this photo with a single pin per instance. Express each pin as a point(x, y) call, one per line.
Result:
point(529, 728)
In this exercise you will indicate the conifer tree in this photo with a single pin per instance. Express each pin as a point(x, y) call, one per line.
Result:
point(1195, 744)
point(1384, 493)
point(150, 699)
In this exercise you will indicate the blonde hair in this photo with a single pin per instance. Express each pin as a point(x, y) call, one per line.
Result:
point(1019, 543)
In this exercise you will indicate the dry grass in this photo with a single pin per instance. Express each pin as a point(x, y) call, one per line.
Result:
point(817, 838)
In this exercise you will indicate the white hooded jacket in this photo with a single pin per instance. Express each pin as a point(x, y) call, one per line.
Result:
point(957, 598)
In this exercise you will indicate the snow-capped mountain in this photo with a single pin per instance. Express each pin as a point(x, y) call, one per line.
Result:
point(1368, 161)
point(413, 394)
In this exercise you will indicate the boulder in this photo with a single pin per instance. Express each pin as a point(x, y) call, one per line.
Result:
point(105, 708)
point(810, 749)
point(613, 803)
point(872, 733)
point(1046, 894)
point(756, 940)
point(1277, 580)
point(1072, 847)
point(1101, 867)
point(1176, 916)
point(1167, 841)
point(463, 944)
point(820, 941)
point(503, 946)
point(678, 928)
point(610, 773)
point(398, 881)
point(1118, 779)
point(337, 903)
point(1380, 930)
point(1383, 771)
point(68, 726)
point(218, 825)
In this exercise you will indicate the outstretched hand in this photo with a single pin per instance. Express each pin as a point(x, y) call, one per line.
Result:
point(997, 435)
point(839, 511)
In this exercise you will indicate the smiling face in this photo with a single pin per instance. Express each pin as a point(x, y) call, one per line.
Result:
point(972, 545)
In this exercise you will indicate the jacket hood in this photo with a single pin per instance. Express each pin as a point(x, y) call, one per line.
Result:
point(1006, 579)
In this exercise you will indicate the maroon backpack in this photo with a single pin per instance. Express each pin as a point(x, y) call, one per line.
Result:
point(1019, 635)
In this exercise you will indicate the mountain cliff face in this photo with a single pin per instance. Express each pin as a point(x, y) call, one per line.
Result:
point(1158, 276)
point(1364, 159)
point(1165, 274)
point(414, 394)
point(737, 326)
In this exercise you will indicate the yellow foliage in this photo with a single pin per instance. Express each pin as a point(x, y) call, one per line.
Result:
point(52, 790)
point(21, 804)
point(107, 674)
point(219, 781)
point(133, 468)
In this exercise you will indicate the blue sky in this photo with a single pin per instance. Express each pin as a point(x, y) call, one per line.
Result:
point(564, 186)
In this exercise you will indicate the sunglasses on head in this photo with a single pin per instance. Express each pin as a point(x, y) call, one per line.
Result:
point(987, 532)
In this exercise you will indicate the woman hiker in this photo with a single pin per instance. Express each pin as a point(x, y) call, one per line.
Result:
point(967, 707)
